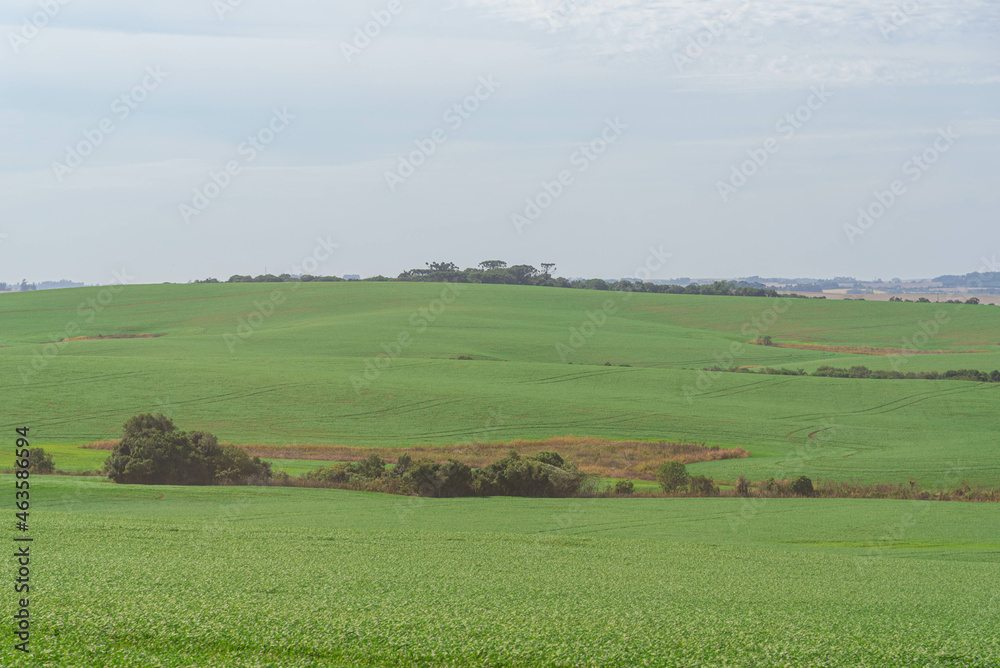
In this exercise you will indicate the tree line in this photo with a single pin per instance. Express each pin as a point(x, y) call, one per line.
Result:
point(497, 272)
point(857, 371)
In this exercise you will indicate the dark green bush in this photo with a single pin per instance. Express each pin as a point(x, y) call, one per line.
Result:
point(518, 476)
point(41, 461)
point(370, 468)
point(703, 486)
point(550, 458)
point(153, 452)
point(624, 487)
point(803, 486)
point(742, 486)
point(672, 476)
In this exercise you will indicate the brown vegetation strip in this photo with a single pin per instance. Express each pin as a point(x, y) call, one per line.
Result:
point(866, 350)
point(102, 337)
point(637, 460)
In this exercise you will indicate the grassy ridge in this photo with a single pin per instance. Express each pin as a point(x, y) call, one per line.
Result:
point(134, 576)
point(290, 381)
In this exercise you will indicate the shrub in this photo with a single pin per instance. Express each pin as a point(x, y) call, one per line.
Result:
point(742, 486)
point(428, 478)
point(803, 486)
point(517, 476)
point(41, 461)
point(672, 476)
point(624, 487)
point(337, 473)
point(550, 458)
point(234, 466)
point(703, 486)
point(370, 468)
point(153, 452)
point(403, 465)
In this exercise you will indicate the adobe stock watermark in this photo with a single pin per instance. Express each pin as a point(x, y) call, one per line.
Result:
point(86, 312)
point(790, 466)
point(752, 329)
point(219, 181)
point(252, 322)
point(898, 17)
point(32, 26)
point(224, 7)
point(786, 127)
point(365, 34)
point(419, 321)
point(579, 336)
point(711, 32)
point(915, 168)
point(122, 109)
point(582, 158)
point(455, 116)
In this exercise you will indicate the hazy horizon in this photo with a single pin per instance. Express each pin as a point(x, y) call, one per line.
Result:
point(191, 139)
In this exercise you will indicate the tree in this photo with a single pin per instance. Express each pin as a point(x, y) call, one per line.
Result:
point(624, 487)
point(742, 486)
point(972, 300)
point(486, 265)
point(442, 266)
point(41, 461)
point(703, 485)
point(547, 268)
point(153, 452)
point(672, 476)
point(803, 486)
point(523, 273)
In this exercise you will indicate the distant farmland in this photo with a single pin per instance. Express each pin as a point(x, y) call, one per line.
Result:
point(394, 365)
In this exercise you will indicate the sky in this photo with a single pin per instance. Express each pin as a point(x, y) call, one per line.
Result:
point(172, 140)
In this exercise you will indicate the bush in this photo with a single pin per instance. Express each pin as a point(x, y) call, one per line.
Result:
point(550, 458)
point(235, 467)
point(337, 473)
point(703, 486)
point(403, 465)
point(517, 476)
point(672, 476)
point(803, 486)
point(624, 487)
point(369, 469)
point(41, 461)
point(428, 478)
point(153, 452)
point(742, 486)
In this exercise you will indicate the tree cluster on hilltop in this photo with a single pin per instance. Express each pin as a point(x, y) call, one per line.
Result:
point(497, 272)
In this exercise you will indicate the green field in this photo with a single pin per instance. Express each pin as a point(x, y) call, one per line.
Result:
point(290, 380)
point(167, 576)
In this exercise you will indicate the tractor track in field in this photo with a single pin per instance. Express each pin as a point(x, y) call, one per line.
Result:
point(161, 301)
point(731, 391)
point(571, 376)
point(415, 406)
point(591, 423)
point(228, 396)
point(891, 405)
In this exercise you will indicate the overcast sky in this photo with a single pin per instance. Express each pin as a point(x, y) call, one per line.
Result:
point(740, 138)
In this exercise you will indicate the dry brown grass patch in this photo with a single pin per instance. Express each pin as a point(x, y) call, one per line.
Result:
point(865, 350)
point(637, 460)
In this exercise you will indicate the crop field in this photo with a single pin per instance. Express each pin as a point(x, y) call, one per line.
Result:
point(280, 364)
point(169, 576)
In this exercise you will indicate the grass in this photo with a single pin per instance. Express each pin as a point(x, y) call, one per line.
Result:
point(294, 379)
point(139, 576)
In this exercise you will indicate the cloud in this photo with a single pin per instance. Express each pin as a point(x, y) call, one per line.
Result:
point(744, 43)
